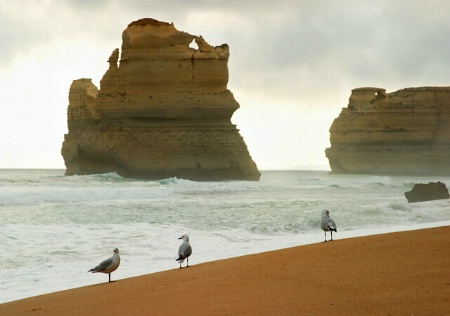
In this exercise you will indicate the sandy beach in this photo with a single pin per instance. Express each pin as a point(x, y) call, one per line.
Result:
point(404, 273)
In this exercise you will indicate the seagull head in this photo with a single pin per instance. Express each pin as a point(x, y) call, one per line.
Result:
point(116, 250)
point(326, 213)
point(185, 237)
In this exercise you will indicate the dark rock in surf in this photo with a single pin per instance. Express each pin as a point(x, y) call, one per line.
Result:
point(427, 192)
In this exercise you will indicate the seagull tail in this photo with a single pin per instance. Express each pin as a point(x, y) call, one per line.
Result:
point(179, 258)
point(91, 270)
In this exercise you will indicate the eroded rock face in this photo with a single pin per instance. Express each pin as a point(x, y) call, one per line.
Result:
point(403, 132)
point(163, 110)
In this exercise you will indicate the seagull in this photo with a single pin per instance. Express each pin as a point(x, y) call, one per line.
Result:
point(109, 265)
point(184, 251)
point(327, 224)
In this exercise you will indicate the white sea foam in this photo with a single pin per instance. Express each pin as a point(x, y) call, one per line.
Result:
point(49, 222)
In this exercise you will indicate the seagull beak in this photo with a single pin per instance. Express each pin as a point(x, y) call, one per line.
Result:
point(180, 237)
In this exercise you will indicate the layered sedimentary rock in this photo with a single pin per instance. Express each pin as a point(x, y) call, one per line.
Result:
point(163, 110)
point(403, 132)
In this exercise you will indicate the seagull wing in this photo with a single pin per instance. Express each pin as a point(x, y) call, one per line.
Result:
point(184, 251)
point(103, 265)
point(332, 225)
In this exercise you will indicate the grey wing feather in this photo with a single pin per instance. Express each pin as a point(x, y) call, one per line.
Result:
point(103, 265)
point(188, 251)
point(332, 225)
point(185, 250)
point(328, 224)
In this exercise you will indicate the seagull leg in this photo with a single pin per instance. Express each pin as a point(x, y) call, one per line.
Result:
point(187, 260)
point(325, 236)
point(331, 234)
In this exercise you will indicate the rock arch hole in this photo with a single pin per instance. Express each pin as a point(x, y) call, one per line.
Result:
point(193, 45)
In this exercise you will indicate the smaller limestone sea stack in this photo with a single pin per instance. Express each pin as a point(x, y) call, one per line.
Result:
point(163, 110)
point(406, 132)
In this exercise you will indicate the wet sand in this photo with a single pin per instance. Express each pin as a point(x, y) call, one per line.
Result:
point(404, 273)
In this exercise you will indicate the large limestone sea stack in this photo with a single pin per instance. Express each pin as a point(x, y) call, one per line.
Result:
point(406, 132)
point(162, 111)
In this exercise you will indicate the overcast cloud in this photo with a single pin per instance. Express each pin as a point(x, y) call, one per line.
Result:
point(292, 67)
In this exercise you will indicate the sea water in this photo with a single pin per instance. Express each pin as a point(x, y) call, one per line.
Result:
point(54, 228)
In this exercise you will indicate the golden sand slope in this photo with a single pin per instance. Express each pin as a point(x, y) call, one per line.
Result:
point(405, 273)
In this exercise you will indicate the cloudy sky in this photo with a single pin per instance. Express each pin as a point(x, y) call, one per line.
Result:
point(292, 67)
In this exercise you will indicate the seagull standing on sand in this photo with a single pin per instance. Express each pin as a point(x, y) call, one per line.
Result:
point(327, 224)
point(184, 251)
point(109, 265)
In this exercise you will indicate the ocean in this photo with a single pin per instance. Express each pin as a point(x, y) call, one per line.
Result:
point(54, 228)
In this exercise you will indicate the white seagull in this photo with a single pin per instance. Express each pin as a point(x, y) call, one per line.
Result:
point(184, 251)
point(109, 265)
point(327, 224)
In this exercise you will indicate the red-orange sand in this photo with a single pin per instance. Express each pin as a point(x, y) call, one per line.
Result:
point(405, 273)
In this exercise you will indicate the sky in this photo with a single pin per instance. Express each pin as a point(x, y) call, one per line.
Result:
point(292, 64)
